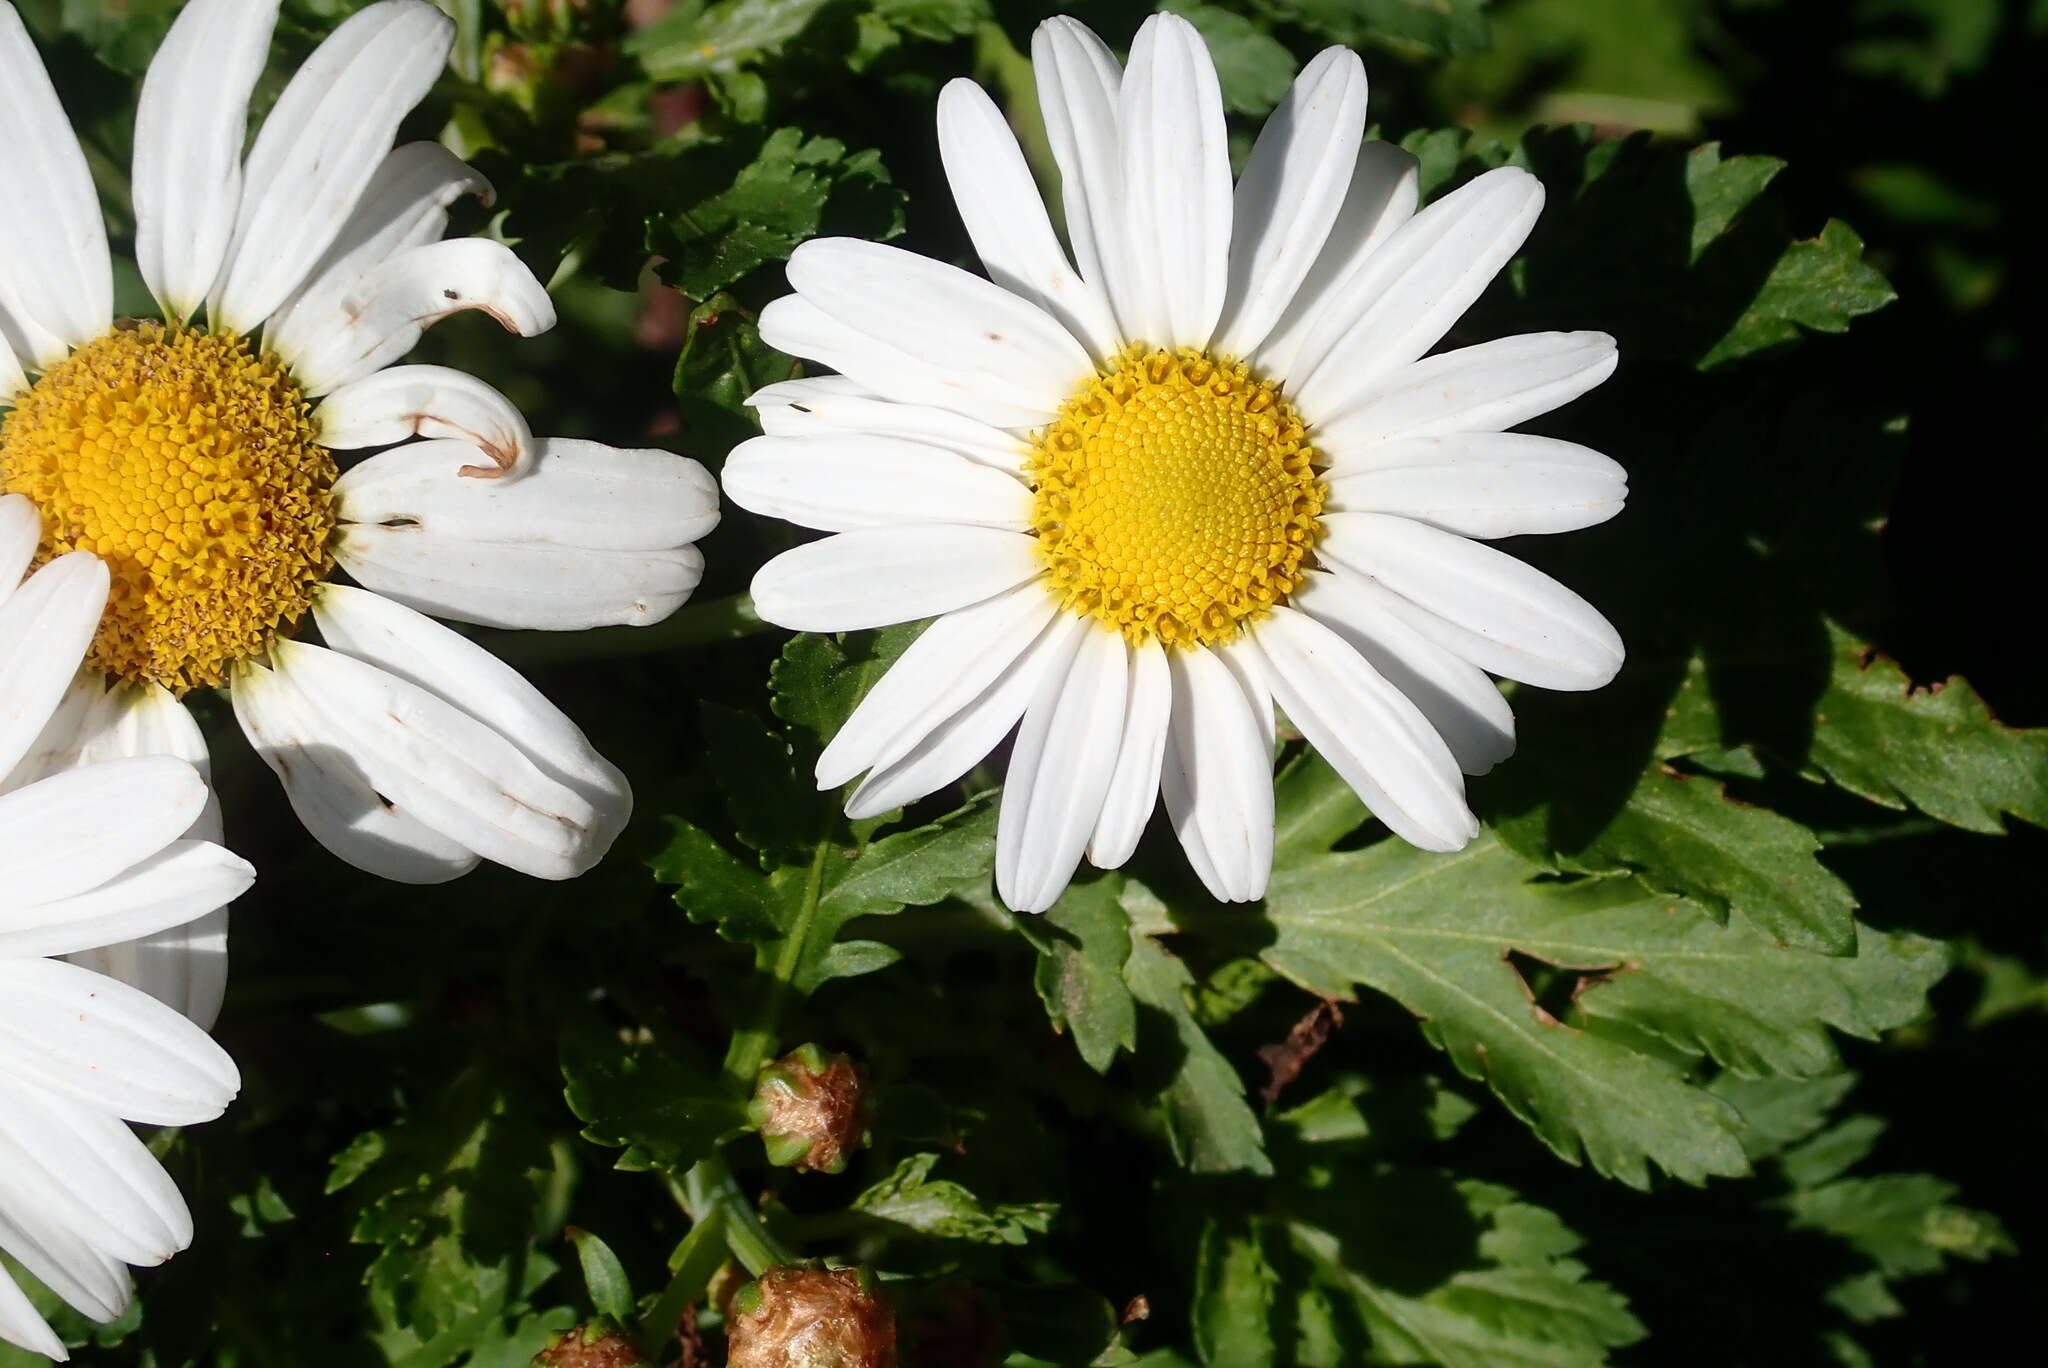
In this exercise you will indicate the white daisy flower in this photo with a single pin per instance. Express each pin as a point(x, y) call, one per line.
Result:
point(195, 461)
point(99, 856)
point(1207, 467)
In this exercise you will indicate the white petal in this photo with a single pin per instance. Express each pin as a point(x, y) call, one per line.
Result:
point(878, 576)
point(1484, 388)
point(1134, 789)
point(189, 129)
point(1482, 604)
point(499, 584)
point(951, 663)
point(55, 276)
point(1384, 189)
point(578, 494)
point(328, 790)
point(1411, 289)
point(1059, 772)
point(319, 146)
point(466, 676)
point(74, 831)
point(1492, 484)
point(185, 966)
point(13, 380)
point(838, 483)
point(1217, 777)
point(1078, 84)
point(21, 1325)
point(45, 626)
point(21, 530)
point(89, 1172)
point(405, 205)
point(392, 405)
point(393, 305)
point(1288, 199)
point(804, 389)
point(444, 767)
point(1460, 701)
point(83, 1036)
point(61, 743)
point(93, 1283)
point(1176, 168)
point(983, 348)
point(184, 881)
point(788, 411)
point(957, 744)
point(1367, 730)
point(1005, 217)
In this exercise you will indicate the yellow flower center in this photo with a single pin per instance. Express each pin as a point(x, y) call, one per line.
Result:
point(187, 463)
point(1176, 497)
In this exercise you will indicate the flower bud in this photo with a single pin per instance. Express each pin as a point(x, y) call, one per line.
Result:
point(810, 1110)
point(598, 1344)
point(811, 1318)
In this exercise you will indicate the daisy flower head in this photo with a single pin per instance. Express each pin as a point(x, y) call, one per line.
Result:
point(194, 455)
point(1209, 466)
point(100, 867)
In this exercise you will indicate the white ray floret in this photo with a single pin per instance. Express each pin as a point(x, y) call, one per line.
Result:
point(313, 264)
point(99, 858)
point(1209, 468)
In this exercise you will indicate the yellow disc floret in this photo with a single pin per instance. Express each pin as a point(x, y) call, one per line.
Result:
point(187, 463)
point(1176, 497)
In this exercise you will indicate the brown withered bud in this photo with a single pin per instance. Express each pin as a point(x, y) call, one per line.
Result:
point(811, 1110)
point(812, 1318)
point(597, 1344)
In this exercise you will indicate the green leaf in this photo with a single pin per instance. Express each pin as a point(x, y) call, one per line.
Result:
point(1818, 285)
point(1937, 749)
point(1211, 1127)
point(1234, 1295)
point(1903, 1223)
point(783, 196)
point(611, 1291)
point(648, 1099)
point(1655, 985)
point(723, 361)
point(1082, 942)
point(1685, 835)
point(1460, 1274)
point(910, 1199)
point(1253, 69)
point(720, 43)
point(817, 680)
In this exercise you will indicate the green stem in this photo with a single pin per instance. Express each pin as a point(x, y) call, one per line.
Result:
point(695, 1261)
point(709, 1187)
point(700, 624)
point(755, 1039)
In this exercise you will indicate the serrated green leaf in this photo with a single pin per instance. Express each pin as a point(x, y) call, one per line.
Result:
point(1937, 749)
point(647, 1099)
point(1511, 1296)
point(910, 1199)
point(718, 42)
point(1686, 835)
point(1082, 943)
point(817, 679)
point(1211, 1127)
point(1660, 984)
point(1904, 1223)
point(1818, 285)
point(1234, 1295)
point(722, 362)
